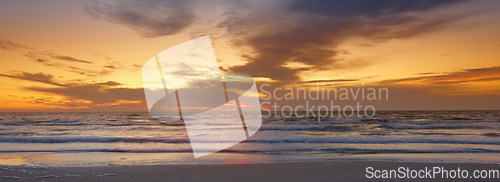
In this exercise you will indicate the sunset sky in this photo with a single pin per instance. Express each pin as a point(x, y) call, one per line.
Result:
point(87, 55)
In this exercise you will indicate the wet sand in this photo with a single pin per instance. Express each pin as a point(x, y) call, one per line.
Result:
point(303, 171)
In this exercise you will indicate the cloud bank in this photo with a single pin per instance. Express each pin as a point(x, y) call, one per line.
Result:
point(150, 18)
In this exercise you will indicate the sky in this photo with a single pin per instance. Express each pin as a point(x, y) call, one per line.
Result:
point(60, 55)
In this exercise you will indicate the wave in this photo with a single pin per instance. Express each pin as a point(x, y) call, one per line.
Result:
point(79, 123)
point(287, 151)
point(305, 141)
point(422, 127)
point(492, 134)
point(340, 128)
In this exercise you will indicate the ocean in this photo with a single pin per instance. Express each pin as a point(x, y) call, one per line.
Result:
point(135, 138)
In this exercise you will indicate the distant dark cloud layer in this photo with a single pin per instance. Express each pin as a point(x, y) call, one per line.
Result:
point(318, 27)
point(96, 93)
point(37, 77)
point(150, 18)
point(303, 31)
point(71, 59)
point(460, 77)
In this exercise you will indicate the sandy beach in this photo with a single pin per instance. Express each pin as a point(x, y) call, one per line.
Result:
point(308, 171)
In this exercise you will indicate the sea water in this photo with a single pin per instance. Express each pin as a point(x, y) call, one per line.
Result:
point(135, 138)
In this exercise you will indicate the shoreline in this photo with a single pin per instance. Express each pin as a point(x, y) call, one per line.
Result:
point(297, 171)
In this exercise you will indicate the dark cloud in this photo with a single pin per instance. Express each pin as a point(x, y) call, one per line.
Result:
point(96, 93)
point(150, 18)
point(48, 58)
point(309, 32)
point(116, 65)
point(9, 45)
point(109, 83)
point(41, 60)
point(71, 59)
point(37, 77)
point(223, 69)
point(330, 81)
point(459, 77)
point(73, 69)
point(428, 73)
point(101, 94)
point(365, 8)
